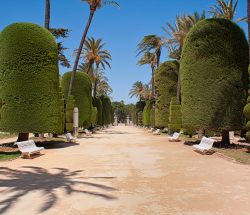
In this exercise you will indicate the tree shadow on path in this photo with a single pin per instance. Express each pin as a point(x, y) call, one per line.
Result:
point(19, 183)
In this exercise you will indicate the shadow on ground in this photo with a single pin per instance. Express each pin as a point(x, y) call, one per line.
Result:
point(54, 144)
point(18, 183)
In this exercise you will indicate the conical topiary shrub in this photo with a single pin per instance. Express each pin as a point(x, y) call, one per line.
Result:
point(82, 90)
point(29, 80)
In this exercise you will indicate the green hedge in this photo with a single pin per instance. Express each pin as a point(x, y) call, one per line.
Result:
point(82, 92)
point(175, 117)
point(214, 76)
point(166, 79)
point(29, 80)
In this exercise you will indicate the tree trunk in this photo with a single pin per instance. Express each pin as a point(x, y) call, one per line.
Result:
point(158, 55)
point(248, 18)
point(47, 15)
point(23, 137)
point(225, 142)
point(153, 84)
point(89, 66)
point(201, 133)
point(91, 15)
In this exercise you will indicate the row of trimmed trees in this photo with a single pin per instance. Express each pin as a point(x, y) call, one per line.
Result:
point(211, 72)
point(32, 98)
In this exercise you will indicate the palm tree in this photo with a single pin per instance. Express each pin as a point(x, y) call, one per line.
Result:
point(151, 59)
point(93, 6)
point(151, 43)
point(141, 91)
point(225, 9)
point(136, 90)
point(176, 36)
point(61, 33)
point(146, 92)
point(99, 80)
point(93, 52)
point(103, 88)
point(47, 15)
point(100, 83)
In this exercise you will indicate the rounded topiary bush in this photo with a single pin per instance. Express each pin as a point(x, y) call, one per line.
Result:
point(82, 92)
point(166, 79)
point(214, 76)
point(175, 117)
point(29, 80)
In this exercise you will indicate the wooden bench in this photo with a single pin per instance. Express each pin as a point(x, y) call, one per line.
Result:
point(27, 148)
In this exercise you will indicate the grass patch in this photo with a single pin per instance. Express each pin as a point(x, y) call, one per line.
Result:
point(9, 155)
point(240, 155)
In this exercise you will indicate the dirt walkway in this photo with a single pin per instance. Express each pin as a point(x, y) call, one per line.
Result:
point(124, 171)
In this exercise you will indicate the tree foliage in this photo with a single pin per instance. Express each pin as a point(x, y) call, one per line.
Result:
point(214, 76)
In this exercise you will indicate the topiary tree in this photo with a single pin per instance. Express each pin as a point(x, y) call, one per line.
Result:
point(98, 104)
point(94, 116)
point(246, 112)
point(69, 112)
point(139, 118)
point(147, 112)
point(112, 115)
point(175, 117)
point(29, 81)
point(82, 90)
point(166, 79)
point(214, 77)
point(152, 117)
point(106, 110)
point(134, 116)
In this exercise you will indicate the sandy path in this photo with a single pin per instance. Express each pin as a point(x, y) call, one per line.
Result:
point(124, 171)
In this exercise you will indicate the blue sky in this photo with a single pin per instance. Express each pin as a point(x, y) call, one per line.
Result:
point(121, 29)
